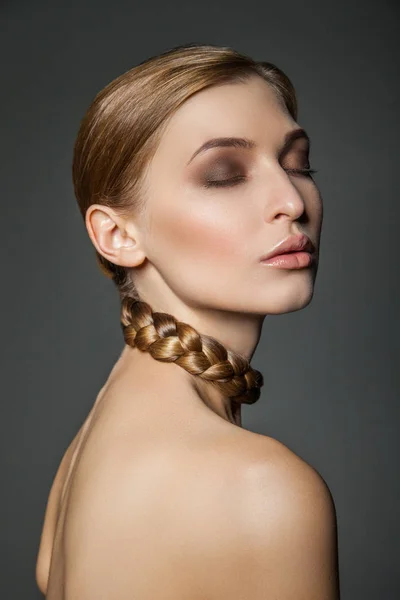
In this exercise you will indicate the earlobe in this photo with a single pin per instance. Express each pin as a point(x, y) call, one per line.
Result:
point(109, 236)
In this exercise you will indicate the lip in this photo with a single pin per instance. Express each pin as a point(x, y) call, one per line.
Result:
point(292, 243)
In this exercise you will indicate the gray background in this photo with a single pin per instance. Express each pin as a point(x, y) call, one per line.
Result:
point(331, 370)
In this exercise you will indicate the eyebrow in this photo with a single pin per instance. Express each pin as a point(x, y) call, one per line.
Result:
point(238, 142)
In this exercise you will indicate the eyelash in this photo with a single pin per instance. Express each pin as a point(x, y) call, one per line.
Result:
point(239, 178)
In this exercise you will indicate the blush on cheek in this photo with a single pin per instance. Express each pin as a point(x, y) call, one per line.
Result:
point(199, 237)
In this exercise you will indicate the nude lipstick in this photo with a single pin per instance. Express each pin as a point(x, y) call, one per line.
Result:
point(294, 252)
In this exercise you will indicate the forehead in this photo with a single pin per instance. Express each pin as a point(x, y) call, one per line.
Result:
point(242, 109)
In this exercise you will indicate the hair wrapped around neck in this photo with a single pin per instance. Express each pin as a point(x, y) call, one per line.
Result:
point(170, 340)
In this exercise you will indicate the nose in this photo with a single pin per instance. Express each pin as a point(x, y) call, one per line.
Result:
point(284, 198)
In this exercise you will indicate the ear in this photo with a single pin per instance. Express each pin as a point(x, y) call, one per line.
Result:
point(109, 235)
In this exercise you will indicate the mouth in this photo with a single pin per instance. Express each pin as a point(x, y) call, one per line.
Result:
point(291, 260)
point(291, 245)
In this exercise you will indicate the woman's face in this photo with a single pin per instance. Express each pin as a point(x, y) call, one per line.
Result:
point(205, 243)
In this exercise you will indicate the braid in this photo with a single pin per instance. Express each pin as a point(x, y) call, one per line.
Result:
point(169, 340)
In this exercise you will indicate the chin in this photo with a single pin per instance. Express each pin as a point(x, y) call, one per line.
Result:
point(287, 299)
point(289, 306)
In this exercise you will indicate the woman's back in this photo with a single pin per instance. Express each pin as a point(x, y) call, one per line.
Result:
point(163, 510)
point(133, 492)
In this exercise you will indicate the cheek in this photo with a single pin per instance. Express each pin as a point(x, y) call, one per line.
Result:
point(206, 234)
point(202, 250)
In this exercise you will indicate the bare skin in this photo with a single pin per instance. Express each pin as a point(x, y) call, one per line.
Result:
point(162, 494)
point(144, 488)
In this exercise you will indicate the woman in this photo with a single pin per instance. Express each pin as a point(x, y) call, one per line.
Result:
point(191, 172)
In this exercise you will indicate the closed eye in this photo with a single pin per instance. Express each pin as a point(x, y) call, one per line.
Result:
point(306, 172)
point(240, 178)
point(224, 182)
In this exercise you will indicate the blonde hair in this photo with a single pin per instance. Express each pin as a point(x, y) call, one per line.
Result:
point(117, 138)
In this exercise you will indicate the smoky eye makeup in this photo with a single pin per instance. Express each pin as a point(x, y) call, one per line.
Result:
point(220, 170)
point(224, 176)
point(228, 169)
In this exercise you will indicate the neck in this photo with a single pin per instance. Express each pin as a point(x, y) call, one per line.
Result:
point(236, 332)
point(133, 364)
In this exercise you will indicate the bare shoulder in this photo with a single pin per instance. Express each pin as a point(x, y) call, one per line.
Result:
point(280, 519)
point(228, 514)
point(283, 486)
point(270, 459)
